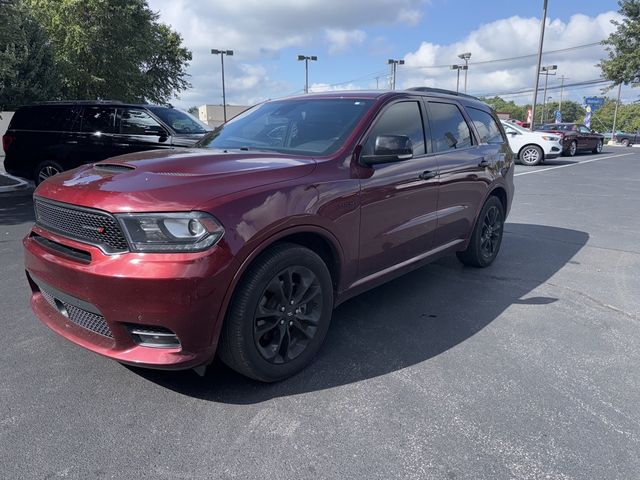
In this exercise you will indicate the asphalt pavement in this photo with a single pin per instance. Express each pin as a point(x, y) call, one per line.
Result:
point(524, 370)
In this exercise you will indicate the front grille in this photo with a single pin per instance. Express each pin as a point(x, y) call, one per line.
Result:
point(90, 321)
point(90, 226)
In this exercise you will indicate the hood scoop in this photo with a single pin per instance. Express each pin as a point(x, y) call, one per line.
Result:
point(113, 167)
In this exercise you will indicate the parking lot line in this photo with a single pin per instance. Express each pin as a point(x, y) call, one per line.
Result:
point(572, 164)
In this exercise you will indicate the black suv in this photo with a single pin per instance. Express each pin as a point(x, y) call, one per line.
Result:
point(48, 138)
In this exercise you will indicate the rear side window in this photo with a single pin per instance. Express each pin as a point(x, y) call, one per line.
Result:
point(449, 130)
point(98, 119)
point(55, 118)
point(486, 126)
point(399, 119)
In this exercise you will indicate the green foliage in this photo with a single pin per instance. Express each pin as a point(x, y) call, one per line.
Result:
point(571, 111)
point(27, 69)
point(628, 117)
point(193, 111)
point(88, 49)
point(500, 105)
point(623, 45)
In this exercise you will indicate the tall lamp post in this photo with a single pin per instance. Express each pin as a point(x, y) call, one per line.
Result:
point(465, 56)
point(458, 68)
point(222, 53)
point(544, 108)
point(546, 72)
point(393, 64)
point(540, 43)
point(306, 69)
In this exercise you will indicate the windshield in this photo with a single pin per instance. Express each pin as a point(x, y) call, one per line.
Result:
point(180, 121)
point(300, 126)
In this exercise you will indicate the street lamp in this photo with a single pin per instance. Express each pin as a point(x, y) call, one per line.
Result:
point(222, 53)
point(458, 68)
point(465, 56)
point(546, 72)
point(539, 61)
point(544, 108)
point(306, 69)
point(393, 64)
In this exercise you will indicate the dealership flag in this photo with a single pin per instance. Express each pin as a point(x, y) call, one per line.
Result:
point(558, 116)
point(587, 117)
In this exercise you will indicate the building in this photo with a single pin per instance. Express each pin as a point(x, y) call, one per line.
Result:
point(213, 115)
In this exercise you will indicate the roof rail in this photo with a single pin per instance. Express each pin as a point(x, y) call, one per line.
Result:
point(440, 90)
point(79, 102)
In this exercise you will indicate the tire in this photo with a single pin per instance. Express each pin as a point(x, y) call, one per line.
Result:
point(531, 155)
point(625, 142)
point(45, 170)
point(479, 253)
point(279, 314)
point(598, 147)
point(573, 149)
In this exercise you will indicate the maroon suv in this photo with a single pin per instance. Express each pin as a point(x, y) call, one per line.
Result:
point(244, 245)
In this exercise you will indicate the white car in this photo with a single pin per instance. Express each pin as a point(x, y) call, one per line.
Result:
point(532, 148)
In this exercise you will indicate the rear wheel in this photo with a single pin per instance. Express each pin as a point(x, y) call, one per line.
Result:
point(45, 170)
point(486, 238)
point(279, 315)
point(625, 142)
point(598, 147)
point(531, 155)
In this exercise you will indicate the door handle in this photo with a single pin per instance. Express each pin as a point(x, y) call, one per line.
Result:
point(428, 174)
point(483, 163)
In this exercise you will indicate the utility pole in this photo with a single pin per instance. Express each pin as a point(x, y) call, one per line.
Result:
point(615, 112)
point(393, 64)
point(465, 56)
point(306, 69)
point(537, 82)
point(222, 53)
point(546, 69)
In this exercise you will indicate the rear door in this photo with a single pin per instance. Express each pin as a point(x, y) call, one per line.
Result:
point(92, 138)
point(462, 160)
point(398, 200)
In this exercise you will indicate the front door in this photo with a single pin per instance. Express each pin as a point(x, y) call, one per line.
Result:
point(139, 131)
point(398, 200)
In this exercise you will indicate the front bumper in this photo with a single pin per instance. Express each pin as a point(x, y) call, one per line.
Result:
point(178, 292)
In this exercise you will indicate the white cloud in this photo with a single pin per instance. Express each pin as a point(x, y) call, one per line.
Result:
point(508, 38)
point(341, 40)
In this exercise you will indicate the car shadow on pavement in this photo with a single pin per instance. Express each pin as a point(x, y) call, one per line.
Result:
point(407, 321)
point(16, 209)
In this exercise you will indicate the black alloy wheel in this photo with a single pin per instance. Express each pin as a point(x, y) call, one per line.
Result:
point(486, 237)
point(598, 147)
point(573, 149)
point(287, 316)
point(279, 314)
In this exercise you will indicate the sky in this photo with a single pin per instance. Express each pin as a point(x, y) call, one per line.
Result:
point(353, 40)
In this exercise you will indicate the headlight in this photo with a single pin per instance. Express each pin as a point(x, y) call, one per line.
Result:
point(170, 232)
point(551, 139)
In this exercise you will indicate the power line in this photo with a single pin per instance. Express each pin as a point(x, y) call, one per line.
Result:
point(509, 59)
point(583, 84)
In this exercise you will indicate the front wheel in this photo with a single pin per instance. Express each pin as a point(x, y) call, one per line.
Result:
point(279, 315)
point(486, 238)
point(45, 170)
point(573, 149)
point(598, 147)
point(625, 142)
point(531, 155)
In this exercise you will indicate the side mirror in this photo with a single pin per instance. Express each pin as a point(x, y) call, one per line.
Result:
point(390, 148)
point(513, 133)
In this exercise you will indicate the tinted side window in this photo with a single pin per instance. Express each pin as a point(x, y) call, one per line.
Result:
point(45, 118)
point(98, 119)
point(449, 130)
point(486, 126)
point(399, 119)
point(134, 121)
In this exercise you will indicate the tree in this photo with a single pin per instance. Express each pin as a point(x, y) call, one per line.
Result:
point(114, 49)
point(623, 45)
point(194, 110)
point(27, 69)
point(628, 117)
point(500, 105)
point(571, 111)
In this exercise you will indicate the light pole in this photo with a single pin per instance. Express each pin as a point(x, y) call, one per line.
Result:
point(562, 79)
point(222, 53)
point(615, 113)
point(544, 108)
point(535, 89)
point(306, 69)
point(465, 56)
point(545, 71)
point(458, 68)
point(393, 64)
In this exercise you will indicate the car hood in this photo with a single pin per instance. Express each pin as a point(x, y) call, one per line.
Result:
point(170, 180)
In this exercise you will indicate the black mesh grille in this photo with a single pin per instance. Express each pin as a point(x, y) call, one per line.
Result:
point(90, 226)
point(90, 321)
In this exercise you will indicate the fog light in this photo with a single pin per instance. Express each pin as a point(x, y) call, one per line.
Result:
point(154, 337)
